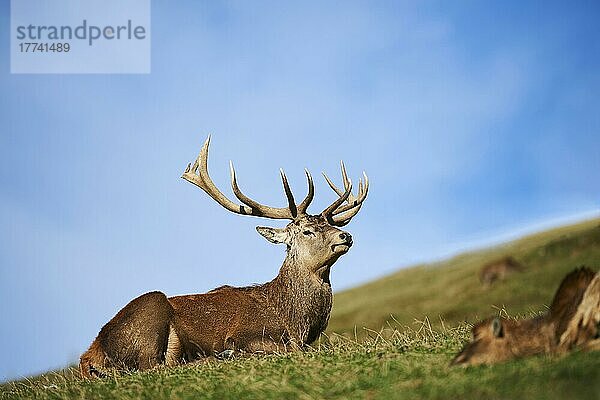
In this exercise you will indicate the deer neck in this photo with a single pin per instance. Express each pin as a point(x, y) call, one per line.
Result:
point(302, 298)
point(533, 336)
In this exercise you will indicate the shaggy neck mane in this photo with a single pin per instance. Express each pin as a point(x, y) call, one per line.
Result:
point(301, 298)
point(532, 336)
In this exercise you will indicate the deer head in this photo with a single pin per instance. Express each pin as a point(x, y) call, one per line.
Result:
point(314, 242)
point(490, 344)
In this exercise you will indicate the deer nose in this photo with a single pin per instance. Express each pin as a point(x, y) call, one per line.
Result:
point(346, 237)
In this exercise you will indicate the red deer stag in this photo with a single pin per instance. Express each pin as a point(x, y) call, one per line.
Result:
point(285, 314)
point(572, 321)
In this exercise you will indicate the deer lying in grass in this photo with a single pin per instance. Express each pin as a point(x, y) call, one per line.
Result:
point(571, 322)
point(498, 270)
point(281, 315)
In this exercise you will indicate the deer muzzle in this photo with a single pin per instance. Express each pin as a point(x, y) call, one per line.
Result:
point(346, 239)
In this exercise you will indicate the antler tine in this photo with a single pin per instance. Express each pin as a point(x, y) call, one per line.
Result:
point(238, 193)
point(309, 197)
point(260, 209)
point(355, 201)
point(332, 185)
point(288, 194)
point(344, 175)
point(328, 212)
point(342, 217)
point(342, 214)
point(198, 175)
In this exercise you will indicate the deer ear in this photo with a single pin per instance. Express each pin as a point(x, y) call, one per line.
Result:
point(497, 328)
point(273, 235)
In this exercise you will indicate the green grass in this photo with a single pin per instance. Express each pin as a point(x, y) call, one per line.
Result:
point(406, 359)
point(409, 365)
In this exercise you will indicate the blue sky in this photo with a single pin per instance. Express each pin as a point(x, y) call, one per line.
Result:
point(472, 120)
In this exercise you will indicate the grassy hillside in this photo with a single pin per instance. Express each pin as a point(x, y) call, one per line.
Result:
point(451, 290)
point(409, 365)
point(406, 360)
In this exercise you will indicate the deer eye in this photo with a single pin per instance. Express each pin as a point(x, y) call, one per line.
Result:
point(307, 233)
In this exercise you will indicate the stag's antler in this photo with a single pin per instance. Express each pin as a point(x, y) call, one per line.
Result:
point(338, 214)
point(197, 174)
